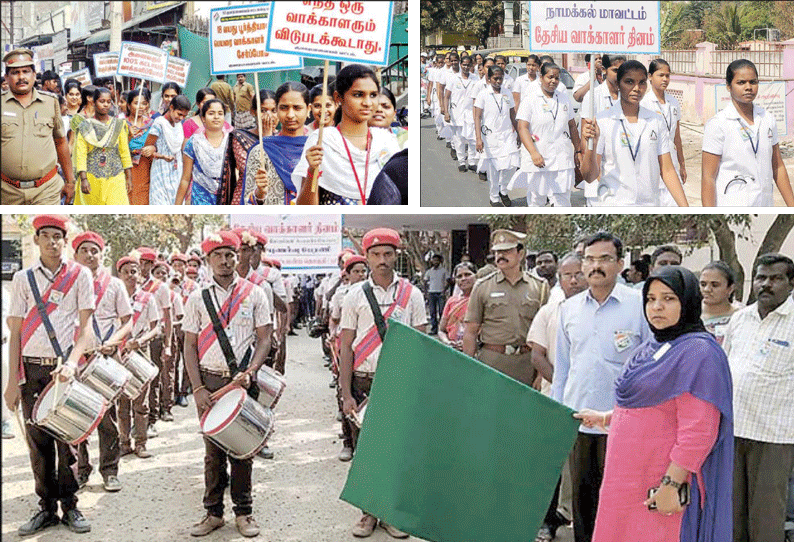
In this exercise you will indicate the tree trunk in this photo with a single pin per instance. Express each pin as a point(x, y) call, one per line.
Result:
point(773, 240)
point(726, 241)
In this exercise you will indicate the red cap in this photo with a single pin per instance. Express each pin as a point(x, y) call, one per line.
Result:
point(260, 237)
point(147, 253)
point(91, 237)
point(124, 261)
point(380, 236)
point(267, 261)
point(194, 258)
point(50, 221)
point(353, 260)
point(245, 236)
point(178, 257)
point(276, 263)
point(223, 238)
point(345, 251)
point(159, 263)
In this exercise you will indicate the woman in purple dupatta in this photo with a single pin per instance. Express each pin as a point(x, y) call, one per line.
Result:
point(673, 423)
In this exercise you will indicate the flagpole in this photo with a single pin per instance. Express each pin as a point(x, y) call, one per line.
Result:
point(321, 122)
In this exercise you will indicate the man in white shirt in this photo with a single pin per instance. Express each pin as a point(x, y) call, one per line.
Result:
point(759, 342)
point(582, 83)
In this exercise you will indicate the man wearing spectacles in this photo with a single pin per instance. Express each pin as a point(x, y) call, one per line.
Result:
point(599, 328)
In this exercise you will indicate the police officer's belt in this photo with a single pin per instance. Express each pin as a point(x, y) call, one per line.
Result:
point(508, 349)
point(30, 184)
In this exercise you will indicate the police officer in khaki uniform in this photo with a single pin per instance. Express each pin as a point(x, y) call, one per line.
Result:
point(501, 309)
point(31, 119)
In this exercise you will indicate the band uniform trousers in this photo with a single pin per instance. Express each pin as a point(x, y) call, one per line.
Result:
point(181, 379)
point(760, 488)
point(216, 477)
point(587, 471)
point(108, 447)
point(55, 478)
point(134, 413)
point(360, 387)
point(161, 392)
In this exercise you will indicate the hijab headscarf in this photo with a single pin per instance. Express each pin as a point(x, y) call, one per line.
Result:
point(686, 287)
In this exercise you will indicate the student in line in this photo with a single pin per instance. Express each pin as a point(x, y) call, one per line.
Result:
point(549, 141)
point(165, 141)
point(533, 65)
point(460, 115)
point(495, 132)
point(316, 101)
point(665, 104)
point(741, 154)
point(139, 121)
point(631, 148)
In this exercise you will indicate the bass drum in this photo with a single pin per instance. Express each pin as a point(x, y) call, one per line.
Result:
point(238, 424)
point(71, 416)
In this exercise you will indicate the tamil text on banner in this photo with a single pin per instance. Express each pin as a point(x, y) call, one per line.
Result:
point(302, 243)
point(771, 96)
point(594, 27)
point(452, 450)
point(344, 31)
point(237, 41)
point(177, 70)
point(142, 61)
point(83, 77)
point(105, 64)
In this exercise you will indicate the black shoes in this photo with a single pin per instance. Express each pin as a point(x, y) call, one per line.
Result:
point(181, 401)
point(41, 520)
point(462, 168)
point(505, 200)
point(76, 522)
point(483, 176)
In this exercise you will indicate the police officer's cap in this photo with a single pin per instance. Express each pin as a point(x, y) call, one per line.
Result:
point(506, 239)
point(18, 58)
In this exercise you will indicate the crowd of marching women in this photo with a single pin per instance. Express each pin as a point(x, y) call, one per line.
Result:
point(240, 147)
point(626, 150)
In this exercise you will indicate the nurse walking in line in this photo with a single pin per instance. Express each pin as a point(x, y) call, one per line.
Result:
point(549, 141)
point(632, 148)
point(459, 115)
point(494, 128)
point(741, 155)
point(666, 105)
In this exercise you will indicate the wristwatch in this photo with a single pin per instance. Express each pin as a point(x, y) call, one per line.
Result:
point(667, 481)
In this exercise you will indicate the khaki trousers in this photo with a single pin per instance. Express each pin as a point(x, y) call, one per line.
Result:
point(47, 194)
point(518, 366)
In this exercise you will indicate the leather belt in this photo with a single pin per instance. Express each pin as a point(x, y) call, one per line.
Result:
point(215, 372)
point(507, 349)
point(362, 374)
point(40, 361)
point(30, 184)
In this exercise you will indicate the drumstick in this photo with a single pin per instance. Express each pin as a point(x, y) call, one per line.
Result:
point(214, 395)
point(21, 427)
point(57, 381)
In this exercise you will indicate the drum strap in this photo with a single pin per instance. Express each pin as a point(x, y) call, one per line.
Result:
point(223, 339)
point(373, 304)
point(42, 307)
point(373, 339)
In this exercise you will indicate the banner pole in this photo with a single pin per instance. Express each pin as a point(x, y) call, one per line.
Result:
point(321, 121)
point(259, 113)
point(592, 96)
point(140, 95)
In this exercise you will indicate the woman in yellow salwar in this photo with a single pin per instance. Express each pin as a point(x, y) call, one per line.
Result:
point(102, 156)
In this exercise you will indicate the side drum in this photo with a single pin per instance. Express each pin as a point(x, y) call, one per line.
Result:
point(238, 424)
point(143, 371)
point(271, 385)
point(106, 376)
point(71, 416)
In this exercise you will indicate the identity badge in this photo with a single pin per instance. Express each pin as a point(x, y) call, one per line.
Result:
point(622, 340)
point(56, 296)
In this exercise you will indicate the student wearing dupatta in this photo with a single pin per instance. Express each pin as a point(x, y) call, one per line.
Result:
point(141, 161)
point(673, 419)
point(102, 159)
point(282, 155)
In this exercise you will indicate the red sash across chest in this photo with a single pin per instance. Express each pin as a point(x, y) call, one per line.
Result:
point(62, 283)
point(227, 313)
point(371, 339)
point(141, 299)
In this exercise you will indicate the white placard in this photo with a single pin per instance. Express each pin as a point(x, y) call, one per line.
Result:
point(344, 31)
point(237, 42)
point(177, 70)
point(83, 76)
point(142, 61)
point(302, 243)
point(595, 27)
point(105, 64)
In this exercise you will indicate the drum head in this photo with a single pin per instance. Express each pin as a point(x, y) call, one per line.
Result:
point(223, 412)
point(46, 401)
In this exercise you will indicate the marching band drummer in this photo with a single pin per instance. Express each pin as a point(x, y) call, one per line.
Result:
point(631, 148)
point(112, 303)
point(741, 154)
point(360, 340)
point(160, 271)
point(65, 288)
point(247, 317)
point(143, 327)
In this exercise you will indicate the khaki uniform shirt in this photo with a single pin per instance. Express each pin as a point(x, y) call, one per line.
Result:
point(25, 129)
point(505, 311)
point(243, 95)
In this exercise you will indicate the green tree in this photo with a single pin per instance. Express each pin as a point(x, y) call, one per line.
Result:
point(783, 18)
point(672, 23)
point(723, 24)
point(477, 17)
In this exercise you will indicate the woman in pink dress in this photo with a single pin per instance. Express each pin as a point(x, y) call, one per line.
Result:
point(672, 425)
point(451, 326)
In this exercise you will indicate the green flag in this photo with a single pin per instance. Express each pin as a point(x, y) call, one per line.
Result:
point(452, 450)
